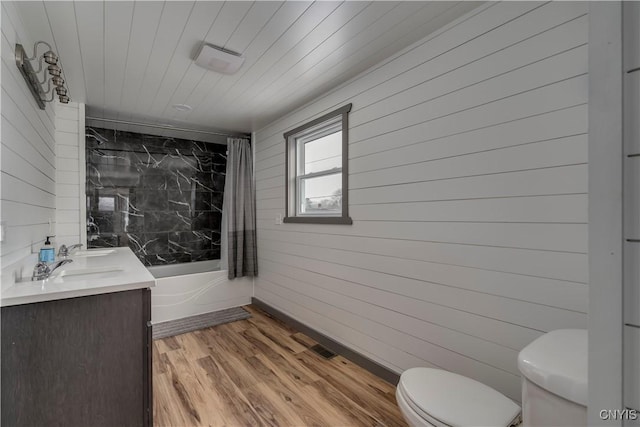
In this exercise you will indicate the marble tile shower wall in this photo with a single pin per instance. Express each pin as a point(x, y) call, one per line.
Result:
point(160, 196)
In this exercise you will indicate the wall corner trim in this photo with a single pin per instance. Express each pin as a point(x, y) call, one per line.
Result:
point(605, 211)
point(82, 172)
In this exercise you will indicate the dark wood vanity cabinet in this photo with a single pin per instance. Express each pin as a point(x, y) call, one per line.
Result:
point(82, 361)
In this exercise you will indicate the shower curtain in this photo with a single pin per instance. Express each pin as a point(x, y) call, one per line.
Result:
point(239, 210)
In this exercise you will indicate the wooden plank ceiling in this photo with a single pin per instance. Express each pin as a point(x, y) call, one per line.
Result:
point(134, 60)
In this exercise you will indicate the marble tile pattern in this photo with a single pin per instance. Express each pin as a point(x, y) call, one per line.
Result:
point(160, 196)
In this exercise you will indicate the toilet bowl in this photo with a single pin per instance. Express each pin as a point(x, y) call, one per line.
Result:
point(434, 397)
point(554, 389)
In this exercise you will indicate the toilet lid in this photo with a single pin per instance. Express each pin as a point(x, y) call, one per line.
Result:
point(455, 400)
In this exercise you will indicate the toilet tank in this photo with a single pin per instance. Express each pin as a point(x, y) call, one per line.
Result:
point(554, 379)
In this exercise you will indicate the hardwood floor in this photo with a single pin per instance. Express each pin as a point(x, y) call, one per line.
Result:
point(259, 372)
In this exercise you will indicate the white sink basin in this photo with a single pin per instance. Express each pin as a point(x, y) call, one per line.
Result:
point(93, 252)
point(115, 270)
point(89, 270)
point(60, 274)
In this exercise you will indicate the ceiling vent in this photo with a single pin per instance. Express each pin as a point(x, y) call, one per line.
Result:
point(219, 60)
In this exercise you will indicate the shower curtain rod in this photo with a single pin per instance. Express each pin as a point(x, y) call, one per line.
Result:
point(124, 122)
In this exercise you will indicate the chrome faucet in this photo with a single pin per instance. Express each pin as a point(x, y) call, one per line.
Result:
point(65, 251)
point(42, 270)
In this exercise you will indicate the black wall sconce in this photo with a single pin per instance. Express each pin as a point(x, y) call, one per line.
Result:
point(32, 77)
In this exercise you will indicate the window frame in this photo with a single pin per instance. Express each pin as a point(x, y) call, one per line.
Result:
point(292, 187)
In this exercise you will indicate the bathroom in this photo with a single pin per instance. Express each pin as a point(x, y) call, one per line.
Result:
point(474, 190)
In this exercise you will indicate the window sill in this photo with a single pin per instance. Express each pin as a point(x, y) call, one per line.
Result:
point(345, 220)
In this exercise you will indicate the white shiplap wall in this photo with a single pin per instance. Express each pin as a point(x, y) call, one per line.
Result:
point(28, 153)
point(468, 192)
point(70, 174)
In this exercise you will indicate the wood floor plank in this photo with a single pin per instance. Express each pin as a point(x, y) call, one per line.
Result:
point(168, 344)
point(168, 410)
point(361, 394)
point(280, 358)
point(235, 340)
point(355, 415)
point(239, 325)
point(259, 314)
point(288, 394)
point(260, 372)
point(271, 408)
point(203, 407)
point(191, 347)
point(304, 340)
point(235, 403)
point(366, 379)
point(157, 360)
point(276, 334)
point(289, 377)
point(211, 342)
point(326, 406)
point(236, 367)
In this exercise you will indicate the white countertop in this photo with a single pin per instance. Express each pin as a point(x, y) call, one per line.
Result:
point(114, 272)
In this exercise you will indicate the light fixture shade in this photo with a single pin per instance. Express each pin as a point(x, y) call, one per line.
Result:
point(54, 70)
point(50, 57)
point(32, 78)
point(219, 60)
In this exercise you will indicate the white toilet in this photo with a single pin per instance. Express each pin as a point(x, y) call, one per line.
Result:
point(554, 390)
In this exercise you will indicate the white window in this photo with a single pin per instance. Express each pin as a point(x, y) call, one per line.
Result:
point(317, 176)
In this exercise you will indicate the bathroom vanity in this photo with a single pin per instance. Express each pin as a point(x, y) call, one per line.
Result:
point(76, 348)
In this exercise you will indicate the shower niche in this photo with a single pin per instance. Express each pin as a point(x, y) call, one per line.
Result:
point(160, 196)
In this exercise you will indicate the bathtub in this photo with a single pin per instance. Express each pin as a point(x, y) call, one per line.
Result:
point(168, 270)
point(190, 289)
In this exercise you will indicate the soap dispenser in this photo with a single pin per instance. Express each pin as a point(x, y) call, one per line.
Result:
point(47, 252)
